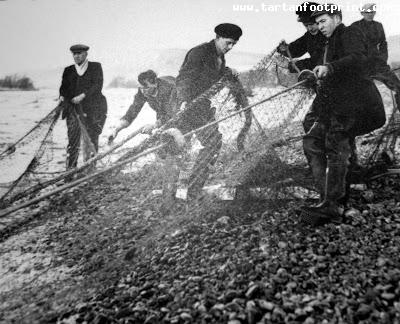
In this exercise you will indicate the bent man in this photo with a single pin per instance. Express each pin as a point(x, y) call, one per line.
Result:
point(81, 97)
point(158, 92)
point(348, 104)
point(203, 66)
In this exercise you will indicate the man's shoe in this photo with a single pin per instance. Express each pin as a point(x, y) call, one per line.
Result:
point(324, 213)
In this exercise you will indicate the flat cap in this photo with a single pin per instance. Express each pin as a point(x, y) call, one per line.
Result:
point(304, 12)
point(78, 48)
point(228, 31)
point(327, 8)
point(368, 7)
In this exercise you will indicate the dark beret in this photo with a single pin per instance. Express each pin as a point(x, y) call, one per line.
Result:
point(328, 9)
point(228, 31)
point(305, 10)
point(78, 48)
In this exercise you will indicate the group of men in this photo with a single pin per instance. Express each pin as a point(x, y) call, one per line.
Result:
point(347, 104)
point(203, 66)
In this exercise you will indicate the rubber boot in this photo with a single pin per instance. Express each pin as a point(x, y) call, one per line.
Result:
point(196, 183)
point(205, 160)
point(330, 210)
point(318, 169)
point(170, 183)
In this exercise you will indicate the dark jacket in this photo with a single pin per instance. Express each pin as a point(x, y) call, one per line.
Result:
point(347, 91)
point(199, 71)
point(90, 83)
point(376, 39)
point(164, 103)
point(311, 44)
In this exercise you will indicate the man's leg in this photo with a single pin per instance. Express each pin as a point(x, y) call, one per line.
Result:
point(314, 149)
point(172, 166)
point(74, 139)
point(211, 140)
point(338, 151)
point(354, 170)
point(94, 126)
point(309, 119)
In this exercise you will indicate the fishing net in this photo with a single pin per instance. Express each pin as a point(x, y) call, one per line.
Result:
point(258, 115)
point(37, 160)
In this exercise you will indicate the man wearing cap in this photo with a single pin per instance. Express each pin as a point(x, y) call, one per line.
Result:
point(159, 93)
point(347, 104)
point(377, 50)
point(203, 66)
point(81, 97)
point(312, 42)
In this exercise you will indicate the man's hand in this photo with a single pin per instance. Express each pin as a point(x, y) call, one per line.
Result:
point(321, 71)
point(112, 137)
point(283, 46)
point(147, 129)
point(183, 106)
point(76, 100)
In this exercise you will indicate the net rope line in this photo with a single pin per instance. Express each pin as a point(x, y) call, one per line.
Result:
point(144, 153)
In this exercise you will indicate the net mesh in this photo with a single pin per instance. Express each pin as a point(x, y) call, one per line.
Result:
point(261, 147)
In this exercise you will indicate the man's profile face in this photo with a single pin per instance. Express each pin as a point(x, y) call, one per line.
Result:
point(148, 88)
point(79, 57)
point(327, 24)
point(224, 45)
point(368, 16)
point(312, 27)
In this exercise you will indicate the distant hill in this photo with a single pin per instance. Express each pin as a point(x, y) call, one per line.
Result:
point(164, 62)
point(168, 62)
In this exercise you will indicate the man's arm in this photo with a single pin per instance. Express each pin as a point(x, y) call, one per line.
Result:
point(64, 86)
point(355, 55)
point(97, 81)
point(135, 108)
point(383, 47)
point(131, 114)
point(298, 47)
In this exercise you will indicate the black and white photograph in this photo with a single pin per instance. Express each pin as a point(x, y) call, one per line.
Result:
point(199, 161)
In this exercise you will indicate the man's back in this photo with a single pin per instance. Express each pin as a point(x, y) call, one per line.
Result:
point(376, 39)
point(199, 71)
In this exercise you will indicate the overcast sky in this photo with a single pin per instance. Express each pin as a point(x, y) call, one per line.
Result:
point(36, 34)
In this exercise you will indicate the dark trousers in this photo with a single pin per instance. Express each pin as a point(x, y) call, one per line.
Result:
point(327, 146)
point(309, 120)
point(211, 140)
point(93, 126)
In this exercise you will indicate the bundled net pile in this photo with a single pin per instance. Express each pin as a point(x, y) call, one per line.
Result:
point(261, 147)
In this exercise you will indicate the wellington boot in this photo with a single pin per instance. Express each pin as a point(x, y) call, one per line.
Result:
point(323, 213)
